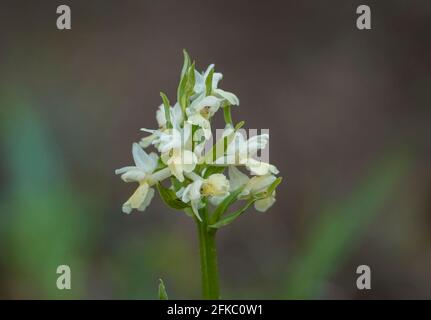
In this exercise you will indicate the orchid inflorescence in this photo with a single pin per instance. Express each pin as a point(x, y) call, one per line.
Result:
point(195, 169)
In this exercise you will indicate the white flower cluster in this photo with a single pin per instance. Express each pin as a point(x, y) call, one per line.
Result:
point(197, 176)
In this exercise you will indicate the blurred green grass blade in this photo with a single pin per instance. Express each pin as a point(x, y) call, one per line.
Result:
point(46, 223)
point(163, 295)
point(334, 234)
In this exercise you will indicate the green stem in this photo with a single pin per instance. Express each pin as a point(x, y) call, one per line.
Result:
point(227, 115)
point(209, 271)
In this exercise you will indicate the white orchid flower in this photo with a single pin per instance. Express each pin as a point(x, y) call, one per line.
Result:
point(143, 173)
point(201, 110)
point(168, 139)
point(241, 152)
point(215, 187)
point(251, 187)
point(180, 161)
point(192, 194)
point(200, 86)
point(200, 143)
point(177, 120)
point(176, 115)
point(173, 144)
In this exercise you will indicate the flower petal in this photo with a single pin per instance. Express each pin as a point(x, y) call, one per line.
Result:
point(176, 170)
point(142, 159)
point(160, 116)
point(147, 141)
point(226, 160)
point(195, 208)
point(237, 179)
point(134, 175)
point(168, 140)
point(124, 169)
point(256, 143)
point(217, 76)
point(139, 199)
point(147, 200)
point(260, 183)
point(216, 185)
point(191, 192)
point(260, 168)
point(189, 160)
point(202, 102)
point(177, 116)
point(229, 96)
point(264, 204)
point(215, 201)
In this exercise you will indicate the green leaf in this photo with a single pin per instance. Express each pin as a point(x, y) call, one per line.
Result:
point(274, 185)
point(162, 291)
point(187, 84)
point(176, 183)
point(181, 88)
point(186, 63)
point(224, 205)
point(227, 115)
point(170, 198)
point(213, 169)
point(167, 106)
point(160, 164)
point(183, 81)
point(190, 84)
point(231, 217)
point(209, 82)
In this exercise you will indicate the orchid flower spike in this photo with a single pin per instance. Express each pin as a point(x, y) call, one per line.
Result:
point(197, 178)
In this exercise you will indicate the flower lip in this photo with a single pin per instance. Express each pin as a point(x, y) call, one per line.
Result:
point(215, 185)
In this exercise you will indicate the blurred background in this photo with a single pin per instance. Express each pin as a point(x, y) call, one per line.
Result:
point(349, 119)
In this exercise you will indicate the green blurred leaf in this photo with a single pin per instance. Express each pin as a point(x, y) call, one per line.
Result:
point(162, 291)
point(48, 220)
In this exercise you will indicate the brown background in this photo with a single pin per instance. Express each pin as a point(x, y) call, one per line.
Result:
point(336, 101)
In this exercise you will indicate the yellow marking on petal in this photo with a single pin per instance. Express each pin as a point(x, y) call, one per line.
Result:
point(205, 112)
